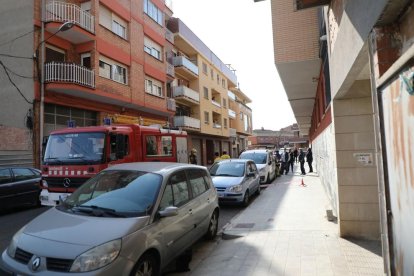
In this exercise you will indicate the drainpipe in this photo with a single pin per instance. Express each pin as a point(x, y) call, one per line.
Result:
point(42, 82)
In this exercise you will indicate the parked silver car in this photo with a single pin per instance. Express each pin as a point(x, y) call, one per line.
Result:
point(130, 219)
point(235, 180)
point(264, 162)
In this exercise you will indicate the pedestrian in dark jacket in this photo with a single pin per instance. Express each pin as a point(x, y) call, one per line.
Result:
point(291, 159)
point(192, 158)
point(301, 158)
point(285, 162)
point(295, 154)
point(309, 159)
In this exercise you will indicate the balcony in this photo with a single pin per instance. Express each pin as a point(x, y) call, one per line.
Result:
point(171, 105)
point(170, 70)
point(215, 103)
point(185, 67)
point(186, 95)
point(216, 125)
point(232, 114)
point(232, 132)
point(187, 123)
point(169, 36)
point(61, 72)
point(59, 12)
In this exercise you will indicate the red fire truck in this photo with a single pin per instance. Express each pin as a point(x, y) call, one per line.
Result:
point(73, 155)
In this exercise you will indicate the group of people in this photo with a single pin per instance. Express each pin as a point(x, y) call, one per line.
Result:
point(192, 158)
point(289, 157)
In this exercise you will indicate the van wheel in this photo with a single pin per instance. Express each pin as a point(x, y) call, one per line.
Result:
point(212, 227)
point(246, 199)
point(147, 265)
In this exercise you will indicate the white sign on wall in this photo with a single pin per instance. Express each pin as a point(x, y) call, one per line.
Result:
point(364, 158)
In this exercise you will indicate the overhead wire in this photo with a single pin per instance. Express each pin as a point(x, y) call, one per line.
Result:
point(12, 82)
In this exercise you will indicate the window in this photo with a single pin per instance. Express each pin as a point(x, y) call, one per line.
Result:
point(224, 103)
point(241, 116)
point(218, 79)
point(152, 48)
point(206, 117)
point(225, 122)
point(212, 74)
point(112, 70)
point(5, 176)
point(118, 29)
point(223, 83)
point(153, 87)
point(179, 186)
point(112, 22)
point(197, 182)
point(152, 11)
point(204, 68)
point(158, 145)
point(23, 174)
point(205, 89)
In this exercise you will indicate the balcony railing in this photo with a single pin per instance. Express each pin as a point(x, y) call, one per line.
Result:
point(171, 105)
point(232, 114)
point(215, 103)
point(216, 125)
point(170, 70)
point(62, 12)
point(183, 91)
point(183, 61)
point(70, 73)
point(186, 122)
point(169, 36)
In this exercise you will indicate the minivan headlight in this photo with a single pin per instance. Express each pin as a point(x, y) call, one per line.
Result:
point(236, 189)
point(97, 257)
point(11, 250)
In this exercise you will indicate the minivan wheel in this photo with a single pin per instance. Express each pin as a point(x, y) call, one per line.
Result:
point(246, 199)
point(147, 265)
point(258, 190)
point(212, 227)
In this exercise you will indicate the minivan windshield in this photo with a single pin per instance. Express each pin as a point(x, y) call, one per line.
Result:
point(117, 193)
point(235, 169)
point(257, 157)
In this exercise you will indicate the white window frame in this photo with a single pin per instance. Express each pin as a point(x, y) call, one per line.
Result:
point(206, 117)
point(153, 12)
point(152, 48)
point(154, 87)
point(114, 68)
point(111, 21)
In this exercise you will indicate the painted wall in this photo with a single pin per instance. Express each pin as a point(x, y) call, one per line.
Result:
point(16, 38)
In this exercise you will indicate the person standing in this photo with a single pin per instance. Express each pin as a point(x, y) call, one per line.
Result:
point(225, 155)
point(192, 159)
point(301, 158)
point(285, 162)
point(291, 159)
point(295, 154)
point(309, 159)
point(217, 157)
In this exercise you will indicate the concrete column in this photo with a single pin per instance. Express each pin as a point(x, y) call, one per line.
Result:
point(356, 168)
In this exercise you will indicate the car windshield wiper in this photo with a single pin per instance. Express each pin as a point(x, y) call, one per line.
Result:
point(53, 159)
point(97, 211)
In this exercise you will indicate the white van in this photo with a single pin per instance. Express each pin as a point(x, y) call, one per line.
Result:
point(264, 162)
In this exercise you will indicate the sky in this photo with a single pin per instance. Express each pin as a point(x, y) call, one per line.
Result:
point(239, 32)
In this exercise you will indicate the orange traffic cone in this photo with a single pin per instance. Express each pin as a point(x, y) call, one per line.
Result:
point(302, 183)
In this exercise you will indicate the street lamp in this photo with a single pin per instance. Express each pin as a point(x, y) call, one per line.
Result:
point(64, 27)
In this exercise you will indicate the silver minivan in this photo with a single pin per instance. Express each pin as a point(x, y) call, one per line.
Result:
point(130, 219)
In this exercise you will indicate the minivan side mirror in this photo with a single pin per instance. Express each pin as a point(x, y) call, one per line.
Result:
point(170, 211)
point(251, 174)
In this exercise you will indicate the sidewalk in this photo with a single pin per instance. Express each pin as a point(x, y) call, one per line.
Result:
point(285, 232)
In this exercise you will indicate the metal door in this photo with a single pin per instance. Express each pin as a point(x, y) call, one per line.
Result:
point(182, 150)
point(396, 102)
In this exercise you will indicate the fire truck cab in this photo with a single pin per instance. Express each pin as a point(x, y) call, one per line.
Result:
point(73, 155)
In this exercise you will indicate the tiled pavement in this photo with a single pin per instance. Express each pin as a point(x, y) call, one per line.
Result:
point(285, 232)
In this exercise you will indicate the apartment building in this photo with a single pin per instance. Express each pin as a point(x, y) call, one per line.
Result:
point(347, 68)
point(102, 59)
point(207, 98)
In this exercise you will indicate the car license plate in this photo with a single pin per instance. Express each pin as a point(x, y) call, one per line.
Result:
point(44, 198)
